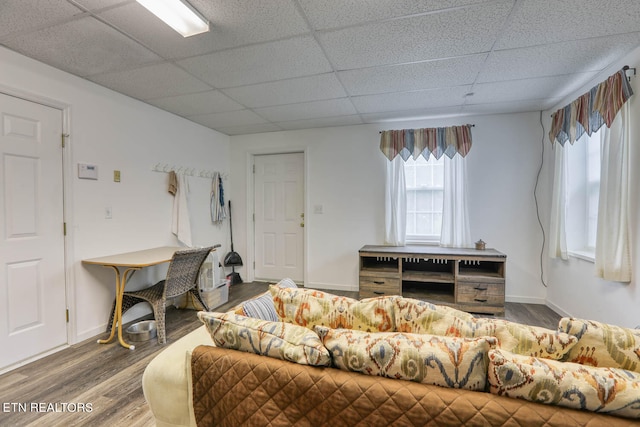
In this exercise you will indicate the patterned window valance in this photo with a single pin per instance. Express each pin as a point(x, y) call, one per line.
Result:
point(589, 112)
point(427, 141)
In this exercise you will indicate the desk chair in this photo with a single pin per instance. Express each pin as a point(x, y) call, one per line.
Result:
point(181, 278)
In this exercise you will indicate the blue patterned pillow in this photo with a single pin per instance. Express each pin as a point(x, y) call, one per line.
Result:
point(261, 307)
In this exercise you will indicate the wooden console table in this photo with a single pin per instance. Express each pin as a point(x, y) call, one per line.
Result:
point(467, 279)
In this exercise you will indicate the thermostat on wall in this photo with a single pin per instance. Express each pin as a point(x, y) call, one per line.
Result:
point(87, 171)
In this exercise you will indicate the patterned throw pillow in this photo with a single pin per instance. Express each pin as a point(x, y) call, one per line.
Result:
point(515, 337)
point(417, 316)
point(603, 345)
point(274, 339)
point(308, 307)
point(444, 361)
point(607, 390)
point(261, 307)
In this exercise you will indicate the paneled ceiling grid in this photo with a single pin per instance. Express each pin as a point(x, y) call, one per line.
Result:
point(292, 64)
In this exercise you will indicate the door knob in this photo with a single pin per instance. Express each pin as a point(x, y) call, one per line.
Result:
point(302, 224)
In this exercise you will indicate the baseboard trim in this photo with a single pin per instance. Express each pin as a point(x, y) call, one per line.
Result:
point(333, 286)
point(525, 300)
point(558, 309)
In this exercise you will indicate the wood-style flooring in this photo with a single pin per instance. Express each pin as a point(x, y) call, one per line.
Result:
point(107, 378)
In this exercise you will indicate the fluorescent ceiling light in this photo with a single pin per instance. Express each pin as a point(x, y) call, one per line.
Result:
point(179, 15)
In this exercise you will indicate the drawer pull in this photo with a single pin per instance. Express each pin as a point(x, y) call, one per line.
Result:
point(480, 300)
point(480, 288)
point(379, 282)
point(378, 293)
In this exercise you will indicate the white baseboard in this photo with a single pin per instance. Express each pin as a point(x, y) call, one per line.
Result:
point(525, 300)
point(333, 287)
point(558, 310)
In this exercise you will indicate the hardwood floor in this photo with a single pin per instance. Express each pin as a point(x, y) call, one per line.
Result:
point(107, 378)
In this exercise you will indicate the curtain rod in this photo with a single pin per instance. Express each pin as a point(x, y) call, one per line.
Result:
point(443, 126)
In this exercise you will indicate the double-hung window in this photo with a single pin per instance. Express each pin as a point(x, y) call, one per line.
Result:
point(583, 191)
point(424, 189)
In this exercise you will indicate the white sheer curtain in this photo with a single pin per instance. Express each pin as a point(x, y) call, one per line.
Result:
point(455, 213)
point(395, 203)
point(557, 232)
point(613, 258)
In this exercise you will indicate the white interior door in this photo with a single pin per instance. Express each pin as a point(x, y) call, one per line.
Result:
point(279, 216)
point(32, 277)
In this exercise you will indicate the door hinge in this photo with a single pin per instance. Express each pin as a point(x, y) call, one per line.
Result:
point(67, 315)
point(254, 168)
point(64, 135)
point(64, 228)
point(254, 217)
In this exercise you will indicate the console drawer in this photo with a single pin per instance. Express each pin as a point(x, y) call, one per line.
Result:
point(379, 286)
point(480, 293)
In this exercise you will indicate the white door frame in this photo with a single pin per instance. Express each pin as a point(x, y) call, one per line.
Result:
point(67, 192)
point(251, 238)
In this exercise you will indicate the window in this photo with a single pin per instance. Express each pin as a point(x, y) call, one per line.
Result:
point(425, 186)
point(583, 191)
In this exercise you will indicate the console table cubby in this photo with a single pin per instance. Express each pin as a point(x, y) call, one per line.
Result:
point(467, 279)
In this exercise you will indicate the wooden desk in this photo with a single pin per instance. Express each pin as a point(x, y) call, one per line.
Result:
point(130, 261)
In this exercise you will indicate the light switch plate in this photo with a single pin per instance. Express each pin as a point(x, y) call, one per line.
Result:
point(87, 171)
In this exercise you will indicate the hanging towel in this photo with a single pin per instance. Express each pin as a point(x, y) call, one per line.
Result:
point(173, 183)
point(181, 225)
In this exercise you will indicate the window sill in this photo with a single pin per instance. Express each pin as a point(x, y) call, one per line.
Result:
point(583, 255)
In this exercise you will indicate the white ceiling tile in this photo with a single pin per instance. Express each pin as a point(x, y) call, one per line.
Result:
point(303, 89)
point(232, 24)
point(95, 5)
point(556, 59)
point(307, 110)
point(447, 34)
point(152, 81)
point(339, 13)
point(248, 129)
point(398, 117)
point(212, 101)
point(228, 119)
point(527, 89)
point(410, 100)
point(415, 76)
point(21, 15)
point(298, 56)
point(509, 107)
point(549, 21)
point(321, 122)
point(83, 47)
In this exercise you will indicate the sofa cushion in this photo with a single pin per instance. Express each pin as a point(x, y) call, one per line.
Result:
point(603, 345)
point(261, 307)
point(607, 390)
point(444, 361)
point(274, 339)
point(308, 307)
point(425, 318)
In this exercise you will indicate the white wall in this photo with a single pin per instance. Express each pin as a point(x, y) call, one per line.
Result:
point(345, 173)
point(573, 288)
point(117, 132)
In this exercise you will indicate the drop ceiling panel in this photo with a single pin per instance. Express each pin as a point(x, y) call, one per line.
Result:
point(277, 60)
point(551, 21)
point(340, 13)
point(153, 81)
point(514, 90)
point(303, 89)
point(442, 35)
point(21, 16)
point(557, 59)
point(232, 24)
point(410, 100)
point(510, 107)
point(229, 118)
point(83, 47)
point(246, 129)
point(308, 110)
point(212, 101)
point(397, 117)
point(418, 75)
point(94, 5)
point(321, 122)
